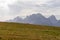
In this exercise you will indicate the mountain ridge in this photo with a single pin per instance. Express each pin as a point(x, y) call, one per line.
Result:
point(37, 19)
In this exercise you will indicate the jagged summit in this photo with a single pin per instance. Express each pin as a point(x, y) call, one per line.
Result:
point(52, 17)
point(38, 19)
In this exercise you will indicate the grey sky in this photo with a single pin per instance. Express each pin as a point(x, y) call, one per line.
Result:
point(12, 8)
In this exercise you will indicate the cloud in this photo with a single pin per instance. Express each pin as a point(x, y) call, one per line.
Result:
point(54, 3)
point(14, 8)
point(19, 7)
point(24, 8)
point(51, 7)
point(28, 7)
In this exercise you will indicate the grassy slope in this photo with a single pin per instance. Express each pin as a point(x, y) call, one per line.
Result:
point(16, 31)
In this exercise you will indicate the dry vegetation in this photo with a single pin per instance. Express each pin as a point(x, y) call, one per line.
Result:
point(16, 31)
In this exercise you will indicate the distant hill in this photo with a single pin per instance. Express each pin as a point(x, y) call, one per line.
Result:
point(19, 31)
point(37, 19)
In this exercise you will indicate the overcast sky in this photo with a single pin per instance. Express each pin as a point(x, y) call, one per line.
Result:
point(12, 8)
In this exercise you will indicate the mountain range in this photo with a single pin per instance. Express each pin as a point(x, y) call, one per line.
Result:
point(37, 19)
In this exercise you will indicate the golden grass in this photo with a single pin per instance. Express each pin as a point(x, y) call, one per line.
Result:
point(16, 31)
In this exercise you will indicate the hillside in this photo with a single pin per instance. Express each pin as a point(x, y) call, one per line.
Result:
point(16, 31)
